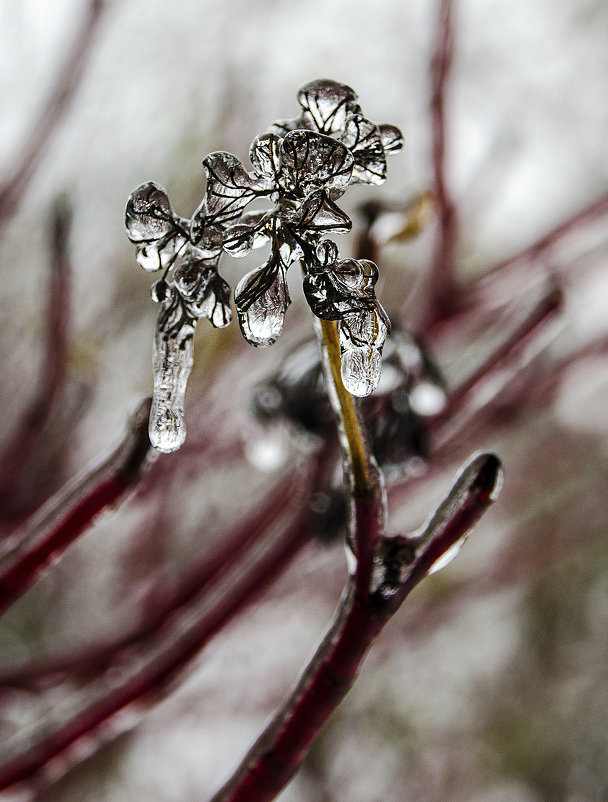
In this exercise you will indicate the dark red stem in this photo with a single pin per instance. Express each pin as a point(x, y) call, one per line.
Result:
point(592, 212)
point(183, 639)
point(74, 512)
point(442, 278)
point(53, 367)
point(280, 750)
point(68, 80)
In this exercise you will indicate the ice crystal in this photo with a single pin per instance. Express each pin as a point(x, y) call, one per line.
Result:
point(301, 167)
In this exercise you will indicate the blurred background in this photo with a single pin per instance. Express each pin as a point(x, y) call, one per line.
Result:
point(491, 684)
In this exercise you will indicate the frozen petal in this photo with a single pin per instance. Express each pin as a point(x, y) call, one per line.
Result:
point(251, 232)
point(363, 140)
point(261, 298)
point(229, 189)
point(264, 155)
point(311, 161)
point(324, 104)
point(391, 137)
point(360, 370)
point(320, 215)
point(157, 256)
point(348, 286)
point(149, 215)
point(204, 291)
point(282, 127)
point(369, 327)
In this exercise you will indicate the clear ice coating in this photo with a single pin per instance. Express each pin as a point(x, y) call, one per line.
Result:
point(300, 167)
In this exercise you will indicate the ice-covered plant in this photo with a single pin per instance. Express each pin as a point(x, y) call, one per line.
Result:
point(302, 167)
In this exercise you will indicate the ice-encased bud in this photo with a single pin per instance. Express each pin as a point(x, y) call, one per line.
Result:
point(362, 335)
point(361, 370)
point(172, 364)
point(261, 298)
point(149, 215)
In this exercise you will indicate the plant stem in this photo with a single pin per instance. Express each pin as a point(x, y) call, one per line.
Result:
point(74, 511)
point(280, 750)
point(353, 433)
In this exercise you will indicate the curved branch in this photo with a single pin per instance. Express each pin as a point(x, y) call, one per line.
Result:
point(73, 511)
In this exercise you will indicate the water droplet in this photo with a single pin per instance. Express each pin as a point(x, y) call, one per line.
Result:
point(361, 370)
point(262, 320)
point(447, 557)
point(172, 365)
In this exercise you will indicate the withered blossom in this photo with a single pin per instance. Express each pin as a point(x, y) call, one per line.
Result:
point(302, 166)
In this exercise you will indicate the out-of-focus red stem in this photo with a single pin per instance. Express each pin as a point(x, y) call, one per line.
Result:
point(280, 750)
point(184, 636)
point(550, 304)
point(593, 211)
point(15, 183)
point(74, 511)
point(27, 436)
point(286, 495)
point(439, 289)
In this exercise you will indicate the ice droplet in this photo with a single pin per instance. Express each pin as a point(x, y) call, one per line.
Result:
point(447, 557)
point(262, 319)
point(172, 364)
point(361, 370)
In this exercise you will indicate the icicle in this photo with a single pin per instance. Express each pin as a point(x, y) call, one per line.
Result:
point(172, 365)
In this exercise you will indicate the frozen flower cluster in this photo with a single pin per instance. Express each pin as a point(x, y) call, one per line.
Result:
point(301, 167)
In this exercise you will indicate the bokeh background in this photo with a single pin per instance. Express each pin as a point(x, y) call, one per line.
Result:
point(491, 685)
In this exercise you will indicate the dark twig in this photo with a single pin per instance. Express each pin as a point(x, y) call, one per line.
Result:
point(73, 511)
point(440, 286)
point(165, 654)
point(278, 753)
point(23, 444)
point(595, 210)
point(16, 182)
point(241, 540)
point(544, 311)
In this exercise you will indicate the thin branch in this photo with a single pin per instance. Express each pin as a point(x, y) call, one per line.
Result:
point(595, 210)
point(161, 658)
point(280, 750)
point(234, 545)
point(440, 284)
point(544, 311)
point(68, 79)
point(23, 444)
point(74, 511)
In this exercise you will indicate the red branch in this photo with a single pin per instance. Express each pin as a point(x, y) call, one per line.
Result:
point(169, 651)
point(68, 80)
point(440, 284)
point(589, 214)
point(280, 750)
point(242, 539)
point(545, 310)
point(74, 511)
point(53, 370)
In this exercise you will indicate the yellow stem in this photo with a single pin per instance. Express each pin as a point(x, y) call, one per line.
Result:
point(355, 436)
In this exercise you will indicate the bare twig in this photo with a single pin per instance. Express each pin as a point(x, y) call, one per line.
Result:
point(544, 311)
point(23, 443)
point(595, 210)
point(278, 753)
point(160, 658)
point(73, 511)
point(439, 287)
point(234, 545)
point(68, 79)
